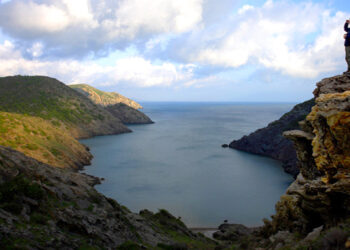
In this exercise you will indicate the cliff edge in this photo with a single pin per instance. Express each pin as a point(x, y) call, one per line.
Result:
point(314, 213)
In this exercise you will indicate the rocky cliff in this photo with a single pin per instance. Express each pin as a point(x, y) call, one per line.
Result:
point(270, 142)
point(42, 207)
point(321, 193)
point(314, 213)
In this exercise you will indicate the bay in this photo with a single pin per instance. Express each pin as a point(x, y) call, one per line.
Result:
point(178, 163)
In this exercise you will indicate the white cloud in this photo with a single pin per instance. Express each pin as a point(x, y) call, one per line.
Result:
point(32, 16)
point(276, 36)
point(82, 26)
point(135, 71)
point(245, 8)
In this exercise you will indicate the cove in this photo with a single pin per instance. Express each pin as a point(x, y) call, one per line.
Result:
point(178, 163)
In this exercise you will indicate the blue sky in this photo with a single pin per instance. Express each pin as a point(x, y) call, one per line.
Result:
point(178, 50)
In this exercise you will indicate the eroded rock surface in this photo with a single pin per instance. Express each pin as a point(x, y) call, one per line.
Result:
point(321, 193)
point(314, 213)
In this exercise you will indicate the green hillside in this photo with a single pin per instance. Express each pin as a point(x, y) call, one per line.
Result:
point(52, 100)
point(42, 118)
point(104, 98)
point(42, 140)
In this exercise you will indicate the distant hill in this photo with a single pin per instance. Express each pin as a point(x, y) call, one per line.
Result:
point(42, 117)
point(121, 107)
point(270, 142)
point(128, 115)
point(104, 98)
point(52, 100)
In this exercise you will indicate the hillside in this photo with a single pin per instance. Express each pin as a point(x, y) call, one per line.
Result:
point(42, 207)
point(42, 118)
point(104, 98)
point(48, 98)
point(128, 115)
point(42, 140)
point(125, 109)
point(269, 141)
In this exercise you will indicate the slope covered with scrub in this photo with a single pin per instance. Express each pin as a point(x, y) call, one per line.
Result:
point(42, 118)
point(50, 99)
point(104, 98)
point(125, 109)
point(42, 207)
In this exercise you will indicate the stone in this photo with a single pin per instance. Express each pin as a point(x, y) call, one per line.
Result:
point(314, 234)
point(336, 84)
point(232, 232)
point(320, 196)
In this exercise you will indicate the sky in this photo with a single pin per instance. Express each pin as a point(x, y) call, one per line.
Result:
point(178, 50)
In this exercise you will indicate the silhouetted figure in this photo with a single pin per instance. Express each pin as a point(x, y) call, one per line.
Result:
point(347, 45)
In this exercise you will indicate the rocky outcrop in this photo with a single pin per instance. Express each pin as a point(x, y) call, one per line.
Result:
point(321, 193)
point(104, 98)
point(314, 213)
point(270, 142)
point(42, 207)
point(335, 84)
point(128, 115)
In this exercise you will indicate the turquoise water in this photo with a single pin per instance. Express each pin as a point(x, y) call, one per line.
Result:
point(178, 163)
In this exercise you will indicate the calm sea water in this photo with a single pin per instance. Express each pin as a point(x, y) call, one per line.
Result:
point(178, 163)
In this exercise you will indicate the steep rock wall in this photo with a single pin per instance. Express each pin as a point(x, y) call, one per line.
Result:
point(321, 193)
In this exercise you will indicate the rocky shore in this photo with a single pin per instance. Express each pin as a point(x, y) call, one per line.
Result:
point(314, 213)
point(269, 141)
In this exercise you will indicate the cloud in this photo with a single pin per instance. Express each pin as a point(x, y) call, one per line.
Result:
point(79, 27)
point(298, 39)
point(245, 8)
point(132, 71)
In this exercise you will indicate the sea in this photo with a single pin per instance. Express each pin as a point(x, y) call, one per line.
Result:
point(178, 163)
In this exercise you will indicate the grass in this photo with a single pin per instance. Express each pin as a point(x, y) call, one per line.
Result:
point(48, 99)
point(39, 139)
point(104, 98)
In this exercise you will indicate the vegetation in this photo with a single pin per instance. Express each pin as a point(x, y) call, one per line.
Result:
point(41, 117)
point(174, 228)
point(104, 98)
point(40, 139)
point(46, 98)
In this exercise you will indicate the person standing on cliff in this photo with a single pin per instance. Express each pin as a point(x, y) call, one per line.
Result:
point(347, 45)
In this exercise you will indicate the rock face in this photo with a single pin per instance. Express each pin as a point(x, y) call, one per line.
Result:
point(104, 98)
point(270, 142)
point(42, 207)
point(314, 213)
point(336, 84)
point(321, 193)
point(128, 115)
